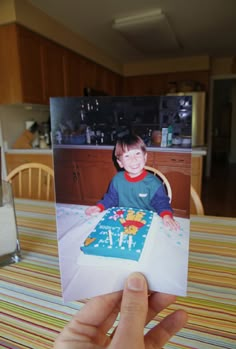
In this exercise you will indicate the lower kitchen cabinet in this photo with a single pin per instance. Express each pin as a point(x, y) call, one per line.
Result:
point(67, 185)
point(82, 176)
point(16, 159)
point(95, 170)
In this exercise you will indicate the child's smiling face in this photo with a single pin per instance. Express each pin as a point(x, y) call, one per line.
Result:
point(133, 161)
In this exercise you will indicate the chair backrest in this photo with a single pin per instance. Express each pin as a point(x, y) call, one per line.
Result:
point(196, 202)
point(32, 181)
point(163, 178)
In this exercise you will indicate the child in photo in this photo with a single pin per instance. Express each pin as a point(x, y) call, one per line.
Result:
point(135, 187)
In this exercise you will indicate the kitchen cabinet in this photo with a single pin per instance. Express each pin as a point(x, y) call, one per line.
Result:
point(31, 67)
point(73, 74)
point(159, 84)
point(95, 170)
point(82, 176)
point(53, 74)
point(16, 159)
point(88, 172)
point(34, 68)
point(20, 66)
point(67, 185)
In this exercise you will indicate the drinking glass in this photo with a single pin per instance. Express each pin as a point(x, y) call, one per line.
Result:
point(9, 240)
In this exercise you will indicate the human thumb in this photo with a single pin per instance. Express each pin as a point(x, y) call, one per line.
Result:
point(134, 307)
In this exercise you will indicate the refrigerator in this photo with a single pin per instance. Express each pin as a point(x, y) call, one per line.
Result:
point(198, 100)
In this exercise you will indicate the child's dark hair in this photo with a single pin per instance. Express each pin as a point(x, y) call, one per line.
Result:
point(127, 143)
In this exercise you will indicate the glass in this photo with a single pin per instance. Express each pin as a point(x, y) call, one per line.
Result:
point(9, 241)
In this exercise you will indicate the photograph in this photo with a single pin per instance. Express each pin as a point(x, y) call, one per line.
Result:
point(122, 184)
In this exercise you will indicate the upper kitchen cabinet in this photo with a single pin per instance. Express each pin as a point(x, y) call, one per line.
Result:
point(31, 67)
point(73, 74)
point(160, 84)
point(53, 72)
point(20, 66)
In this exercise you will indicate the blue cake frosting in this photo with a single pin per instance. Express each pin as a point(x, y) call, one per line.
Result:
point(121, 233)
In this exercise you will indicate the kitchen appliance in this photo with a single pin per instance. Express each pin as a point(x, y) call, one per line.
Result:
point(198, 116)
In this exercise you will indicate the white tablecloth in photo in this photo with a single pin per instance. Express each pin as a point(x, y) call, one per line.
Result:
point(164, 260)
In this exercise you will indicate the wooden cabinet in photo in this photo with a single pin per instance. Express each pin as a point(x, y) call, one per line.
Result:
point(95, 170)
point(67, 185)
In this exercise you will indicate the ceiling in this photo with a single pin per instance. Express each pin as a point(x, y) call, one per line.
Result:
point(198, 27)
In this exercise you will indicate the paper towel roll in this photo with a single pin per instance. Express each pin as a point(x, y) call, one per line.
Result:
point(28, 124)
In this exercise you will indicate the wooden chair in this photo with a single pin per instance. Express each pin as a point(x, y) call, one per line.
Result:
point(196, 202)
point(163, 178)
point(195, 199)
point(32, 181)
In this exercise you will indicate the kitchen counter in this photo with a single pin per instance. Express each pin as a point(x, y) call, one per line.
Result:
point(196, 151)
point(29, 151)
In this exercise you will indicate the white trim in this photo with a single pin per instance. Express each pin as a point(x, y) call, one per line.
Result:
point(210, 117)
point(3, 159)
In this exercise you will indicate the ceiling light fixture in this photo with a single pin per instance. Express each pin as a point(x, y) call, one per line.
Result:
point(148, 32)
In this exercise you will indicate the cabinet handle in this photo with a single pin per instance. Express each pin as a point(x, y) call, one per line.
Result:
point(75, 177)
point(177, 160)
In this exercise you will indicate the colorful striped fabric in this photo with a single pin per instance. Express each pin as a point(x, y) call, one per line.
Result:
point(33, 312)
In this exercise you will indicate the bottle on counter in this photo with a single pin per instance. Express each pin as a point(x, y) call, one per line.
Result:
point(170, 136)
point(164, 137)
point(88, 135)
point(156, 137)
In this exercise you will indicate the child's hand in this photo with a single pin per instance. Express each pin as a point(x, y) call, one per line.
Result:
point(92, 210)
point(170, 222)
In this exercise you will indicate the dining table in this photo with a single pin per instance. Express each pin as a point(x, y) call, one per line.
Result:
point(33, 311)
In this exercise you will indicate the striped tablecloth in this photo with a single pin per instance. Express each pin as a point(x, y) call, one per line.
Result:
point(30, 293)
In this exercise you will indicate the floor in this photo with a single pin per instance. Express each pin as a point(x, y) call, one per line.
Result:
point(219, 190)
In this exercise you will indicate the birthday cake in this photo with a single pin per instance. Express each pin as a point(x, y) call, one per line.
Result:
point(121, 233)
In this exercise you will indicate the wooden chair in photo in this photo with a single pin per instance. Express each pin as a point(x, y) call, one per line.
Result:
point(163, 178)
point(195, 199)
point(196, 203)
point(32, 181)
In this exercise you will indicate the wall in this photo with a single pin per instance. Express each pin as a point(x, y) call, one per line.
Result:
point(13, 119)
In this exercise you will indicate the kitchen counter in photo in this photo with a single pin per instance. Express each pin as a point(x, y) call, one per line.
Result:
point(200, 151)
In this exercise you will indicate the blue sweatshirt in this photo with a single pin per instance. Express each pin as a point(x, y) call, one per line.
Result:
point(144, 191)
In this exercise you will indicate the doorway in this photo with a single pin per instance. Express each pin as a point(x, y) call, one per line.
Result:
point(219, 187)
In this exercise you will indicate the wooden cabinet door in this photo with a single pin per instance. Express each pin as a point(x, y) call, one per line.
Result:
point(53, 73)
point(30, 66)
point(67, 186)
point(73, 74)
point(94, 180)
point(10, 85)
point(95, 169)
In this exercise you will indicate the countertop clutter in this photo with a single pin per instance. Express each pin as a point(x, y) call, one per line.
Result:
point(34, 136)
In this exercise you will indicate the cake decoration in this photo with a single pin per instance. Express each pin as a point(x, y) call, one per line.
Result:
point(121, 233)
